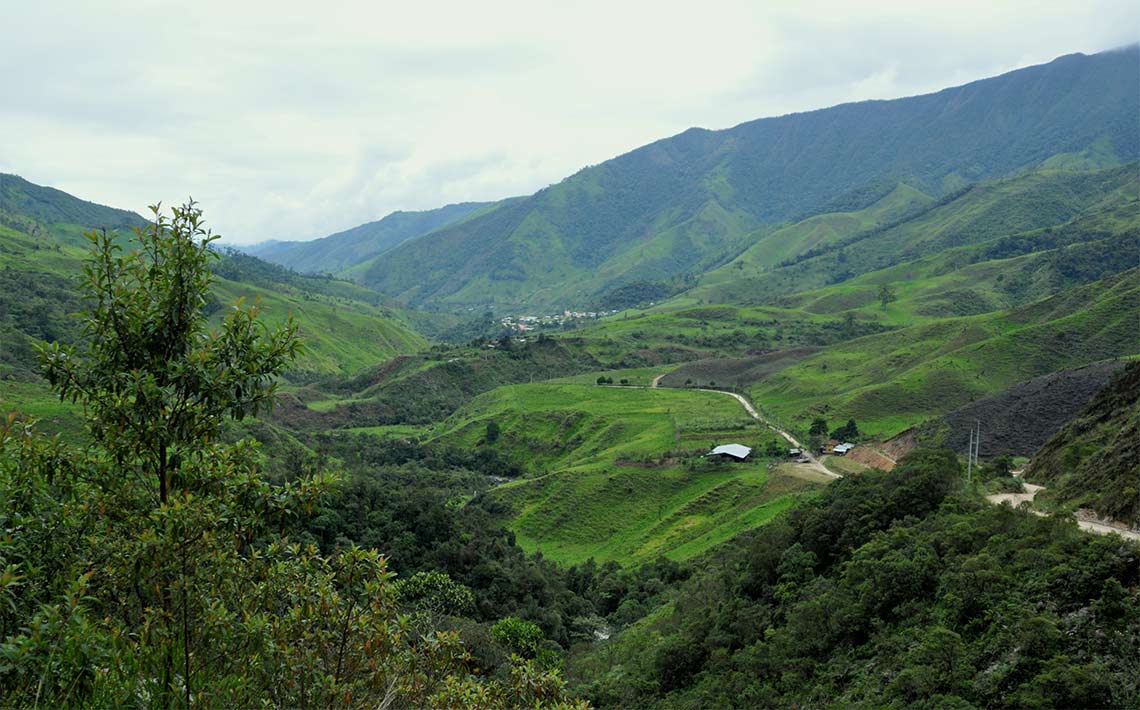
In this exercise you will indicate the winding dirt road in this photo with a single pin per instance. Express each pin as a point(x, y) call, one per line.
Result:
point(1013, 499)
point(1031, 491)
point(814, 462)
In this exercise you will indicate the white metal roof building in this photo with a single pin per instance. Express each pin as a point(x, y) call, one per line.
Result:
point(736, 451)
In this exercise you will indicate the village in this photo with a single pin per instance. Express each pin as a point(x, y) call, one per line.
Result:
point(524, 324)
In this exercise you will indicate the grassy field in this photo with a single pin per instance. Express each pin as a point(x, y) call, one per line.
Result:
point(893, 380)
point(618, 473)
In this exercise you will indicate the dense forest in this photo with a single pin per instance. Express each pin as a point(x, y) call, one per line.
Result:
point(891, 590)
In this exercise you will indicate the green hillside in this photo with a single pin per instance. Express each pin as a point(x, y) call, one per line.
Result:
point(616, 473)
point(892, 380)
point(22, 200)
point(351, 247)
point(346, 326)
point(685, 204)
point(1094, 461)
point(1025, 210)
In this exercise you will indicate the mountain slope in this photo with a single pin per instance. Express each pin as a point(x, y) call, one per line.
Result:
point(342, 250)
point(893, 380)
point(687, 203)
point(1094, 461)
point(21, 198)
point(41, 261)
point(1044, 200)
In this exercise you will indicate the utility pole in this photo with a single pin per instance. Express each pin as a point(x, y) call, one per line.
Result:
point(970, 457)
point(977, 441)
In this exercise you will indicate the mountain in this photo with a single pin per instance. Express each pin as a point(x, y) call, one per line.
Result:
point(685, 204)
point(42, 250)
point(1093, 461)
point(22, 200)
point(336, 252)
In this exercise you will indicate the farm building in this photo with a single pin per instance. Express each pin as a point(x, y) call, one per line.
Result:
point(842, 449)
point(738, 452)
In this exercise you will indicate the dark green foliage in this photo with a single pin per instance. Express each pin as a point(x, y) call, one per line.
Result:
point(634, 294)
point(894, 590)
point(887, 295)
point(1092, 461)
point(491, 434)
point(818, 427)
point(847, 432)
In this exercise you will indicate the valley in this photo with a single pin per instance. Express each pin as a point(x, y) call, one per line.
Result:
point(356, 462)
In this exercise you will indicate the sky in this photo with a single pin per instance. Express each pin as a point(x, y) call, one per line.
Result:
point(295, 120)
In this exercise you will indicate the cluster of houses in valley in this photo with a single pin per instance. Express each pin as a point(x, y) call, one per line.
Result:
point(526, 323)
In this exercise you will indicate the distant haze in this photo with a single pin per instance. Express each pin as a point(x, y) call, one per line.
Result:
point(297, 120)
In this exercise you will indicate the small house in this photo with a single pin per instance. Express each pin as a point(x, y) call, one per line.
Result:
point(737, 452)
point(842, 449)
point(792, 453)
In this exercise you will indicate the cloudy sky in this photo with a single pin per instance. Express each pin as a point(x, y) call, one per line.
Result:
point(293, 120)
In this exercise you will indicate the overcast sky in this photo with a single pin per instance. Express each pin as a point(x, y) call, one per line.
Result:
point(293, 120)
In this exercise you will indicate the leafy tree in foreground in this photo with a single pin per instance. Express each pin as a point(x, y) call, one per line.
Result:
point(149, 569)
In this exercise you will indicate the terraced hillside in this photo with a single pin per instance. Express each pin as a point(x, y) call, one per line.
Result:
point(616, 473)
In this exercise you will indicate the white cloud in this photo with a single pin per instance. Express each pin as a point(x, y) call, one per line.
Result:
point(295, 120)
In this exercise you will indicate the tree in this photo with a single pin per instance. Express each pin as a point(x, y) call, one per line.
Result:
point(846, 432)
point(155, 385)
point(887, 295)
point(153, 568)
point(491, 434)
point(818, 427)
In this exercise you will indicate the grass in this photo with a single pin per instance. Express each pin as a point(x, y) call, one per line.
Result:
point(892, 380)
point(618, 474)
point(35, 400)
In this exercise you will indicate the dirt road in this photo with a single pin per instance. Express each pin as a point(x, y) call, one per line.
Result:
point(787, 437)
point(1031, 490)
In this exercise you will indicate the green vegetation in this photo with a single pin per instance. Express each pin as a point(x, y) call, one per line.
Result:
point(618, 474)
point(888, 590)
point(893, 380)
point(346, 327)
point(338, 252)
point(683, 205)
point(137, 569)
point(1092, 461)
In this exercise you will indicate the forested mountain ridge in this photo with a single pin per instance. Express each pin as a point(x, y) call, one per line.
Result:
point(343, 250)
point(687, 203)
